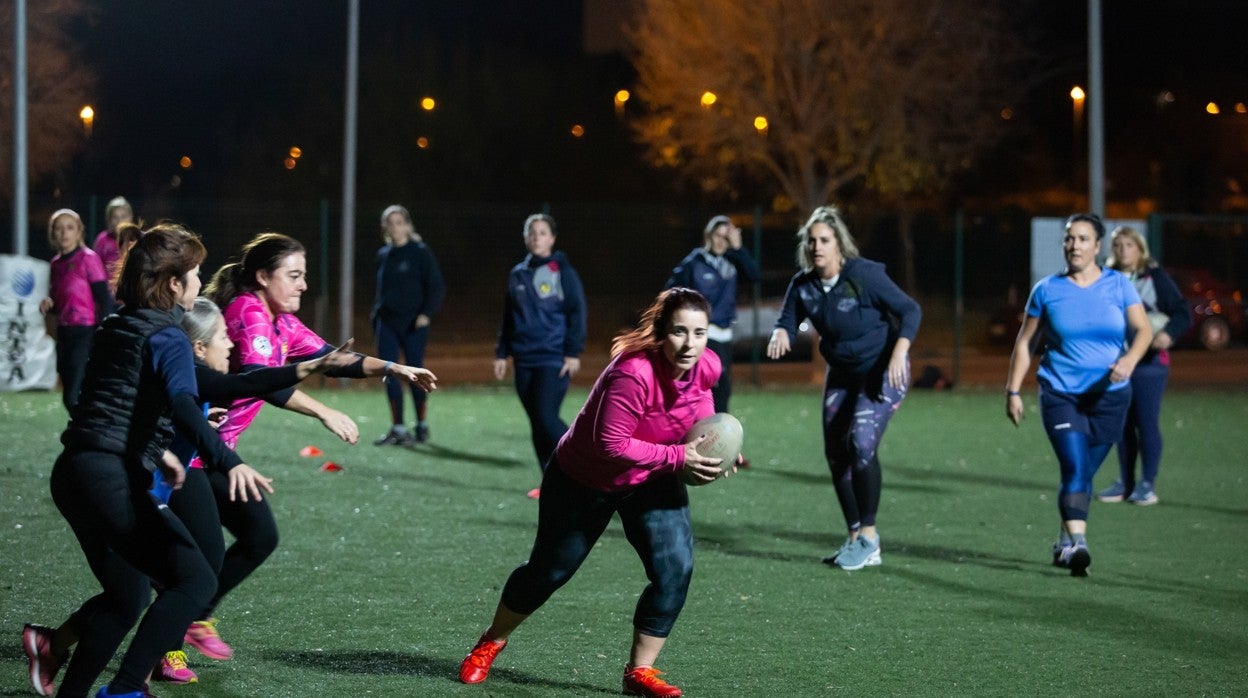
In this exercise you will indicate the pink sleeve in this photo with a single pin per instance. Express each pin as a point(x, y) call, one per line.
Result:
point(708, 377)
point(623, 404)
point(94, 268)
point(255, 340)
point(301, 341)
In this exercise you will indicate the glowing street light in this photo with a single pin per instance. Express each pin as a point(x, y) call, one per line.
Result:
point(578, 130)
point(428, 104)
point(185, 162)
point(620, 98)
point(708, 98)
point(1212, 108)
point(88, 118)
point(1077, 97)
point(296, 152)
point(760, 125)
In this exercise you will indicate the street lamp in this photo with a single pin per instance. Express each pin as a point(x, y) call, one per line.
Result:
point(1077, 97)
point(760, 125)
point(620, 98)
point(708, 98)
point(88, 119)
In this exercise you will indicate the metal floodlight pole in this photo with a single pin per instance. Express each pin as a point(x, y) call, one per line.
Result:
point(20, 224)
point(1096, 113)
point(347, 273)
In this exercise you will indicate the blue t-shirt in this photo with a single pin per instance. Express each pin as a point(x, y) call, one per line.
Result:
point(1084, 329)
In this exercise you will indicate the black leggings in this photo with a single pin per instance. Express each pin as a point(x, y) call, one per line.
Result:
point(73, 346)
point(196, 507)
point(255, 532)
point(127, 540)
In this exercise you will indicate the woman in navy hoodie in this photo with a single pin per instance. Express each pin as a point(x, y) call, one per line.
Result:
point(865, 325)
point(543, 332)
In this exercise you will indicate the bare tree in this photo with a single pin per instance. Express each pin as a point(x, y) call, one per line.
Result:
point(891, 95)
point(58, 86)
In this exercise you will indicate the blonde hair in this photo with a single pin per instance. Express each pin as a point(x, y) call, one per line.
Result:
point(831, 217)
point(407, 216)
point(1146, 260)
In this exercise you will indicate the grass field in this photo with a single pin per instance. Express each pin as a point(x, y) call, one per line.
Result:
point(389, 570)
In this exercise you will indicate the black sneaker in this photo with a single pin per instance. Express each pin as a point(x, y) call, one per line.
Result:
point(422, 433)
point(397, 436)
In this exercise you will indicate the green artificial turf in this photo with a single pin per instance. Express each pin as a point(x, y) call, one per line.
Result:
point(388, 570)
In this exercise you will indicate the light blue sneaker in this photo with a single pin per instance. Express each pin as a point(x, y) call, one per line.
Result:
point(103, 693)
point(1076, 558)
point(831, 559)
point(1114, 493)
point(1143, 494)
point(862, 552)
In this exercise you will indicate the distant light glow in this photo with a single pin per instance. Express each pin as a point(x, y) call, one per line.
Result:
point(760, 123)
point(87, 113)
point(622, 96)
point(185, 162)
point(422, 142)
point(428, 104)
point(290, 163)
point(296, 152)
point(1240, 108)
point(578, 130)
point(1007, 113)
point(708, 98)
point(1212, 108)
point(1077, 93)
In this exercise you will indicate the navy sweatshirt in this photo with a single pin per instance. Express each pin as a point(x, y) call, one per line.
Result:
point(409, 283)
point(716, 278)
point(543, 314)
point(858, 320)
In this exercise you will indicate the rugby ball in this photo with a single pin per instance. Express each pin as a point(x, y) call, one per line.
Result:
point(724, 438)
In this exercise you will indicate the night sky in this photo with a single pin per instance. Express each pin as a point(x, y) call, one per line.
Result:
point(235, 84)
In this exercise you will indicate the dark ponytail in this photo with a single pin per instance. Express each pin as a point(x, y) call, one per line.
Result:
point(265, 252)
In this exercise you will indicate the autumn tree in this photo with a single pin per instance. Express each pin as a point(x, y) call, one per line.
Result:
point(818, 97)
point(57, 83)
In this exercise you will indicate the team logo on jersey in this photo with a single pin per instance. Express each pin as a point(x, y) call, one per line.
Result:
point(262, 346)
point(846, 304)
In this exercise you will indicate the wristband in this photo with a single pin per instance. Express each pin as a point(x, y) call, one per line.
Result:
point(385, 370)
point(1011, 393)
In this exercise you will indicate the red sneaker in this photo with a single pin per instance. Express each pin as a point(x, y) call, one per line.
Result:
point(476, 666)
point(645, 681)
point(534, 493)
point(37, 643)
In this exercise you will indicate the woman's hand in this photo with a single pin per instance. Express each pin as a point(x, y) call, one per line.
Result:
point(899, 365)
point(338, 358)
point(778, 345)
point(342, 425)
point(216, 416)
point(500, 369)
point(1122, 369)
point(1162, 340)
point(171, 470)
point(46, 305)
point(420, 376)
point(422, 320)
point(245, 479)
point(1014, 408)
point(698, 469)
point(571, 365)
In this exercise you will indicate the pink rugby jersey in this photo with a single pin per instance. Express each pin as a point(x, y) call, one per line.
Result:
point(635, 419)
point(70, 286)
point(106, 247)
point(260, 341)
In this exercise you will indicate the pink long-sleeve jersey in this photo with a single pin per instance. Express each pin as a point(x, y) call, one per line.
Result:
point(635, 419)
point(260, 341)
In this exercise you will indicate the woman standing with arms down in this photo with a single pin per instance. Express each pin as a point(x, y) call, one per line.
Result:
point(623, 454)
point(1169, 317)
point(139, 386)
point(409, 293)
point(260, 295)
point(1083, 314)
point(866, 325)
point(79, 296)
point(543, 332)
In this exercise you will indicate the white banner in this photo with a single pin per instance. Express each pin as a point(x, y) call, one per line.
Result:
point(27, 353)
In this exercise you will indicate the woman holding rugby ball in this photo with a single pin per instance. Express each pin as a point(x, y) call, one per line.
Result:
point(623, 453)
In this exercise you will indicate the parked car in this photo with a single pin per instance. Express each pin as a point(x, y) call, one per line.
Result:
point(744, 336)
point(1217, 308)
point(1217, 312)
